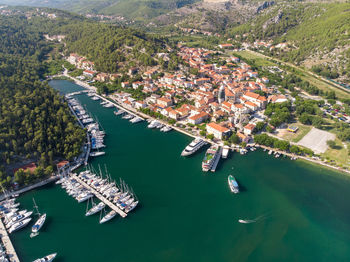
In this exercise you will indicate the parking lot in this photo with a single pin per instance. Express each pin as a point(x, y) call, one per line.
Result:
point(316, 140)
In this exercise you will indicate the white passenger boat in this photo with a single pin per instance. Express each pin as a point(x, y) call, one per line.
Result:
point(48, 258)
point(193, 147)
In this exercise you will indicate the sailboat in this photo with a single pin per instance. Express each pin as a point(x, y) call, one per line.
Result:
point(39, 223)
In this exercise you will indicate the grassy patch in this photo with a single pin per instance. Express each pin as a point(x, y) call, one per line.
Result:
point(339, 155)
point(296, 137)
point(260, 61)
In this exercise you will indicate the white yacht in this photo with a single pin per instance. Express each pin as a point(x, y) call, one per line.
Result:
point(193, 147)
point(19, 225)
point(108, 217)
point(166, 129)
point(40, 222)
point(136, 120)
point(95, 209)
point(18, 218)
point(153, 124)
point(98, 153)
point(48, 258)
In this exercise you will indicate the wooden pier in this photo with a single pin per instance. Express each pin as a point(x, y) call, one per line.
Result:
point(100, 196)
point(5, 239)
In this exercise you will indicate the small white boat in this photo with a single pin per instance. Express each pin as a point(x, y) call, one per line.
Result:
point(153, 124)
point(19, 225)
point(108, 217)
point(48, 258)
point(166, 129)
point(99, 153)
point(95, 209)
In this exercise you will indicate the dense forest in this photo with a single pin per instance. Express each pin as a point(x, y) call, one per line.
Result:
point(35, 122)
point(110, 46)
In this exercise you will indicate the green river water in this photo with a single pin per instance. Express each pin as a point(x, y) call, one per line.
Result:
point(187, 215)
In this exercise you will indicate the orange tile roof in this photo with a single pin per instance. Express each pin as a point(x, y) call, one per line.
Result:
point(217, 127)
point(250, 127)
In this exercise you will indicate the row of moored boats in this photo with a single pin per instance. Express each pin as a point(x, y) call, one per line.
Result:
point(119, 195)
point(132, 118)
point(15, 219)
point(159, 125)
point(93, 128)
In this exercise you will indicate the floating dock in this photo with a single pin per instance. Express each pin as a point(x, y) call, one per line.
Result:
point(100, 196)
point(213, 168)
point(5, 239)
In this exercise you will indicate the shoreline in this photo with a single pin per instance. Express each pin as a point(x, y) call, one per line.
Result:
point(313, 161)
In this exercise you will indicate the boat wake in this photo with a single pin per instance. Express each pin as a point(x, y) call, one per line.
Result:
point(249, 221)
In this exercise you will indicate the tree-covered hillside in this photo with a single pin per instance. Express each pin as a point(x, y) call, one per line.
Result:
point(132, 9)
point(35, 122)
point(112, 48)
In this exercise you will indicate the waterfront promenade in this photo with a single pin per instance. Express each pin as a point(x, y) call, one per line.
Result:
point(5, 239)
point(100, 196)
point(129, 110)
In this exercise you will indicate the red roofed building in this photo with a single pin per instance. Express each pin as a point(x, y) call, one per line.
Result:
point(27, 168)
point(164, 102)
point(248, 129)
point(198, 118)
point(218, 131)
point(62, 164)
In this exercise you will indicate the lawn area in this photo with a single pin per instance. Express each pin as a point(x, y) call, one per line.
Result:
point(339, 155)
point(260, 61)
point(295, 137)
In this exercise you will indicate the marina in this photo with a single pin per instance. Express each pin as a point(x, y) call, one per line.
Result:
point(177, 186)
point(6, 241)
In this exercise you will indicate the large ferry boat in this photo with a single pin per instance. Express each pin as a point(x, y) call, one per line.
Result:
point(193, 147)
point(210, 156)
point(233, 184)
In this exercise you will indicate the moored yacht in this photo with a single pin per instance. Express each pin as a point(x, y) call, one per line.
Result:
point(95, 209)
point(108, 217)
point(19, 225)
point(193, 147)
point(40, 222)
point(48, 258)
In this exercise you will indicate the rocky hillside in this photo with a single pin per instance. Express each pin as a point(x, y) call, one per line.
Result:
point(317, 34)
point(214, 15)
